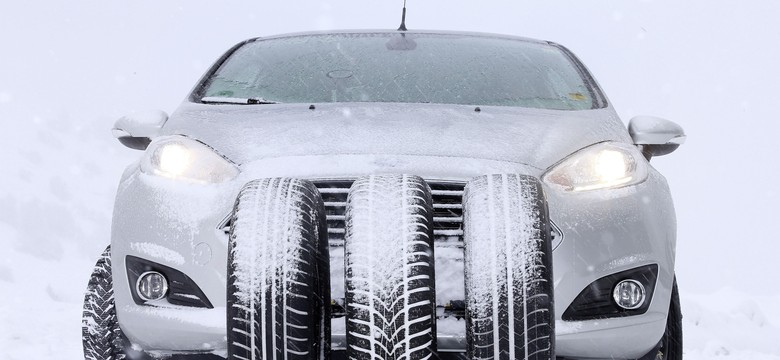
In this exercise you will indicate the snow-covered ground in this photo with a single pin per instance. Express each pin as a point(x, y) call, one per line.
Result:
point(67, 71)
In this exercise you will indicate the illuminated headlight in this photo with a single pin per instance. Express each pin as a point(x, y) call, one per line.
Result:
point(178, 157)
point(601, 166)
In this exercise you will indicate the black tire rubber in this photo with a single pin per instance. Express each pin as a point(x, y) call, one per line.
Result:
point(101, 336)
point(278, 294)
point(389, 264)
point(508, 269)
point(671, 345)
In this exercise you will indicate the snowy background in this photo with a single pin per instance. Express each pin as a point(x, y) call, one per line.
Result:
point(69, 69)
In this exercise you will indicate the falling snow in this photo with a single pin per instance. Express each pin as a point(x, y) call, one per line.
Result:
point(706, 67)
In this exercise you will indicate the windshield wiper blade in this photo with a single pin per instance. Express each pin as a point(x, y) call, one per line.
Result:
point(230, 100)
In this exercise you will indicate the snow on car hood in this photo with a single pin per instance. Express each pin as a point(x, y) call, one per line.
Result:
point(534, 137)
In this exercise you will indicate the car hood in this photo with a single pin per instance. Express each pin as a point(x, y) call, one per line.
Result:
point(534, 137)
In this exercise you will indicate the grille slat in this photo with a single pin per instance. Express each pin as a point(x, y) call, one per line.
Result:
point(333, 203)
point(334, 196)
point(446, 192)
point(447, 206)
point(334, 191)
point(457, 219)
point(448, 232)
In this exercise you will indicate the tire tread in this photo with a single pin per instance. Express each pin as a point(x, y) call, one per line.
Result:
point(507, 245)
point(390, 297)
point(101, 337)
point(278, 291)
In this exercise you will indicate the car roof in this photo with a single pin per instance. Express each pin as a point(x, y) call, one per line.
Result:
point(409, 32)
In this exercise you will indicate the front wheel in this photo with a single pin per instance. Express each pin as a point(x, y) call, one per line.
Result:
point(101, 336)
point(671, 345)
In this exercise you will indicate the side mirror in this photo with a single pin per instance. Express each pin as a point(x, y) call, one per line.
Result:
point(655, 136)
point(137, 130)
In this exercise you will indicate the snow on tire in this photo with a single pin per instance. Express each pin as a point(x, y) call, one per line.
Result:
point(278, 276)
point(100, 333)
point(390, 283)
point(671, 345)
point(508, 269)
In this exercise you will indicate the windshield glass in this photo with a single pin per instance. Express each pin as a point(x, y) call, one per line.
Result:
point(404, 68)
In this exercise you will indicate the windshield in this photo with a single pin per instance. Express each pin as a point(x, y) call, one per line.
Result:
point(403, 68)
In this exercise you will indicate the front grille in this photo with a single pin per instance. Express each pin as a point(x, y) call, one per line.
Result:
point(447, 206)
point(447, 216)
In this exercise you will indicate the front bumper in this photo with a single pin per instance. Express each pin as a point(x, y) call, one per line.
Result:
point(605, 232)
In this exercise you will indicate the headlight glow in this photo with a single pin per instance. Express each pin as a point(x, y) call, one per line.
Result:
point(178, 157)
point(601, 166)
point(611, 165)
point(174, 159)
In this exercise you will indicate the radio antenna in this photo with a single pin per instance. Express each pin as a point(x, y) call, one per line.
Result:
point(403, 19)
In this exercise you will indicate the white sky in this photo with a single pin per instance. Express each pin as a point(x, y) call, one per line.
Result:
point(711, 66)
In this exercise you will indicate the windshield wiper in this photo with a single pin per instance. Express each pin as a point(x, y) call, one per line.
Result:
point(230, 100)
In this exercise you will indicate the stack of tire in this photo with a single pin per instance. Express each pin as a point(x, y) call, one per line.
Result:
point(278, 290)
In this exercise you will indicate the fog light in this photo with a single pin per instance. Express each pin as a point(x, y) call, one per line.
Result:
point(629, 294)
point(151, 286)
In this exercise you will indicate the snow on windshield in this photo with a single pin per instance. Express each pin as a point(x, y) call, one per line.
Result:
point(407, 68)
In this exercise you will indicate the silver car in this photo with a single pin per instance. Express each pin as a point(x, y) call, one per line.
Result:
point(388, 195)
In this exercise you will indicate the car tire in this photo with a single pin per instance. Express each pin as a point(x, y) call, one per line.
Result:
point(101, 336)
point(278, 296)
point(508, 269)
point(389, 264)
point(671, 345)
